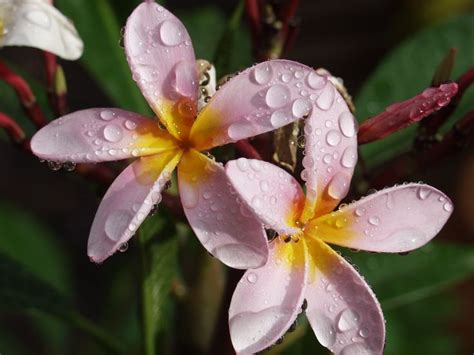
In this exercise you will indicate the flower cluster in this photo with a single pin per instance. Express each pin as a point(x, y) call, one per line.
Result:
point(230, 208)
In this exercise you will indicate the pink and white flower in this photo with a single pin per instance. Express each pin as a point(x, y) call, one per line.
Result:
point(38, 24)
point(341, 308)
point(161, 58)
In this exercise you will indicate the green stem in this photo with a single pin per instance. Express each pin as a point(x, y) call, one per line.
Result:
point(108, 341)
point(146, 304)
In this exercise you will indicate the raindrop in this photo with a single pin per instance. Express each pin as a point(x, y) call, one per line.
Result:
point(264, 186)
point(374, 220)
point(112, 133)
point(338, 186)
point(242, 164)
point(129, 124)
point(116, 224)
point(323, 329)
point(69, 166)
point(327, 158)
point(301, 107)
point(448, 207)
point(326, 99)
point(279, 119)
point(107, 115)
point(333, 138)
point(347, 124)
point(172, 33)
point(315, 81)
point(359, 211)
point(423, 193)
point(252, 277)
point(262, 73)
point(348, 319)
point(349, 157)
point(54, 165)
point(277, 96)
point(123, 247)
point(286, 77)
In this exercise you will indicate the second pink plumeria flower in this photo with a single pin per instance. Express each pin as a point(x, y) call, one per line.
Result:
point(341, 308)
point(161, 58)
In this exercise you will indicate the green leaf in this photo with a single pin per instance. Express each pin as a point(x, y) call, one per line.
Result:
point(409, 69)
point(99, 27)
point(399, 280)
point(30, 243)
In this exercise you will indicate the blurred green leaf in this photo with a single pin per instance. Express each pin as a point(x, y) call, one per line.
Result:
point(408, 70)
point(98, 26)
point(28, 242)
point(393, 276)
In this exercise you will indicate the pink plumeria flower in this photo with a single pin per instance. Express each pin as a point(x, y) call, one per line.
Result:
point(341, 308)
point(161, 57)
point(38, 24)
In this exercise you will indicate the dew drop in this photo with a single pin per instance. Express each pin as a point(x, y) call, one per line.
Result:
point(123, 247)
point(347, 124)
point(359, 211)
point(348, 319)
point(286, 77)
point(323, 329)
point(374, 220)
point(349, 157)
point(264, 186)
point(116, 224)
point(262, 73)
point(279, 119)
point(326, 99)
point(301, 107)
point(252, 277)
point(315, 81)
point(333, 138)
point(112, 133)
point(242, 164)
point(448, 207)
point(129, 124)
point(423, 193)
point(172, 33)
point(338, 187)
point(107, 115)
point(277, 96)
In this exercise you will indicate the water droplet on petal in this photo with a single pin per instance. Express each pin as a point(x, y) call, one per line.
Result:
point(129, 124)
point(349, 157)
point(107, 115)
point(172, 33)
point(277, 96)
point(116, 224)
point(262, 73)
point(448, 207)
point(374, 220)
point(333, 138)
point(323, 329)
point(347, 124)
point(286, 77)
point(301, 107)
point(339, 186)
point(123, 247)
point(326, 99)
point(264, 186)
point(359, 211)
point(252, 277)
point(256, 202)
point(112, 133)
point(315, 81)
point(279, 119)
point(242, 164)
point(348, 319)
point(184, 81)
point(423, 193)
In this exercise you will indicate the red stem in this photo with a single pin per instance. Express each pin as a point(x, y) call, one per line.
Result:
point(57, 101)
point(25, 94)
point(13, 129)
point(247, 150)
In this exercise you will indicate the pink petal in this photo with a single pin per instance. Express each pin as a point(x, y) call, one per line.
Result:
point(272, 194)
point(393, 220)
point(267, 300)
point(342, 309)
point(128, 201)
point(161, 57)
point(331, 150)
point(267, 96)
point(98, 134)
point(223, 225)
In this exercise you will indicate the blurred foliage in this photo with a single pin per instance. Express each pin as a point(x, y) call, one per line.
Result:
point(407, 71)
